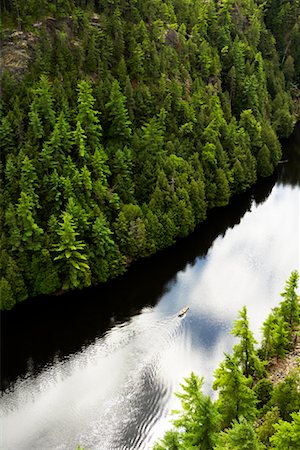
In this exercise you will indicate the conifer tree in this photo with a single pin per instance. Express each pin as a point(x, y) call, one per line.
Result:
point(120, 125)
point(236, 399)
point(199, 419)
point(71, 258)
point(42, 114)
point(240, 436)
point(87, 116)
point(287, 436)
point(7, 300)
point(244, 350)
point(289, 308)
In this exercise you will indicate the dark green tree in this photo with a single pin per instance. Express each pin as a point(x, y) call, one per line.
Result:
point(119, 123)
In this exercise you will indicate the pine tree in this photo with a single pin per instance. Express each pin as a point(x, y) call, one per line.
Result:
point(120, 125)
point(42, 114)
point(199, 419)
point(222, 188)
point(7, 300)
point(236, 399)
point(286, 396)
point(289, 308)
point(87, 116)
point(7, 139)
point(30, 231)
point(267, 428)
point(287, 436)
point(71, 258)
point(170, 441)
point(240, 436)
point(55, 150)
point(244, 350)
point(264, 165)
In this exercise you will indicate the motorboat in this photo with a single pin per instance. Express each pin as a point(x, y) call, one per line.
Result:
point(183, 311)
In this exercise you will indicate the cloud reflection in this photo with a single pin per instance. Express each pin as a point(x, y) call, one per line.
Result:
point(117, 393)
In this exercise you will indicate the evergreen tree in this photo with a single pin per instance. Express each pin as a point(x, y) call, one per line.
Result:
point(267, 428)
point(87, 116)
point(289, 307)
point(286, 396)
point(119, 128)
point(244, 350)
point(199, 419)
point(287, 436)
point(169, 442)
point(73, 263)
point(6, 295)
point(236, 399)
point(240, 436)
point(42, 114)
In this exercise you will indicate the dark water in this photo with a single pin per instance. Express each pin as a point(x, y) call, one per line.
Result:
point(99, 367)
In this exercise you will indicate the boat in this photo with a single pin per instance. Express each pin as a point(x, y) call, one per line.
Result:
point(183, 311)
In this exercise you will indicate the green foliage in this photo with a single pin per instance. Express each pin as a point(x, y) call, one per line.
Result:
point(263, 390)
point(244, 416)
point(287, 436)
point(236, 399)
point(267, 428)
point(143, 116)
point(199, 419)
point(286, 396)
point(197, 424)
point(6, 294)
point(290, 307)
point(241, 436)
point(282, 323)
point(73, 262)
point(170, 441)
point(118, 115)
point(244, 350)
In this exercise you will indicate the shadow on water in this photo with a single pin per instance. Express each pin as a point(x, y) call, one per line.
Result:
point(44, 329)
point(289, 173)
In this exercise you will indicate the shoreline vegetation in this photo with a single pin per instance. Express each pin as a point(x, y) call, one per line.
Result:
point(123, 123)
point(258, 404)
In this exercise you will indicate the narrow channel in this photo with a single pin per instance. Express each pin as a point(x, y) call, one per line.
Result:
point(99, 367)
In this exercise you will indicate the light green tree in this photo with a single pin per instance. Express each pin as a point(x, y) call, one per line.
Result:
point(120, 125)
point(199, 419)
point(87, 116)
point(241, 436)
point(287, 436)
point(245, 349)
point(71, 258)
point(236, 399)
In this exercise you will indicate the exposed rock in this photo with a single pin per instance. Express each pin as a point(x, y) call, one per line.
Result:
point(18, 47)
point(17, 51)
point(172, 38)
point(278, 370)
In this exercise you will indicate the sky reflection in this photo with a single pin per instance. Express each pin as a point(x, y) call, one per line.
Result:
point(117, 392)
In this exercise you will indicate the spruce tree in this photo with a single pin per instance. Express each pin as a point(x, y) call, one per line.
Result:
point(199, 419)
point(72, 261)
point(236, 399)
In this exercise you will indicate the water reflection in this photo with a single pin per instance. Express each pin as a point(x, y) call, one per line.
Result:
point(101, 373)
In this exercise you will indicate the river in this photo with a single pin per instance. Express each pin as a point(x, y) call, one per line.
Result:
point(99, 367)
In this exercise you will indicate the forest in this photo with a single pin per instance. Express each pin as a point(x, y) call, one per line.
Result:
point(252, 411)
point(124, 123)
